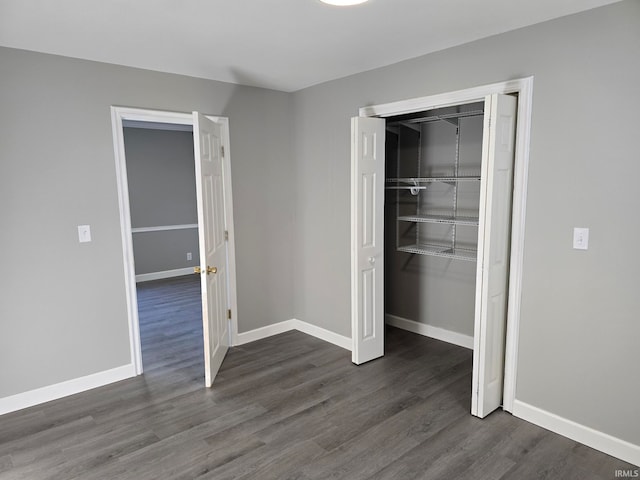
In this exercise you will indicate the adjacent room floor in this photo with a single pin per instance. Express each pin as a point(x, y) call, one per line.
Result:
point(170, 318)
point(286, 407)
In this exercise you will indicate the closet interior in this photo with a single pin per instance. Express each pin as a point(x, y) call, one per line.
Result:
point(432, 195)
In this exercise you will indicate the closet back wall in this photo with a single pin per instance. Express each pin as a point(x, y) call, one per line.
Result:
point(162, 192)
point(439, 292)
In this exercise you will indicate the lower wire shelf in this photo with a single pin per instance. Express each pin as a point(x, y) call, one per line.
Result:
point(440, 251)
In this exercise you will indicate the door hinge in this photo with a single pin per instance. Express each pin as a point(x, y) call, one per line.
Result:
point(226, 234)
point(229, 314)
point(222, 150)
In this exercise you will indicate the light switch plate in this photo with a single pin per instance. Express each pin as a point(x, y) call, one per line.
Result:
point(84, 233)
point(580, 238)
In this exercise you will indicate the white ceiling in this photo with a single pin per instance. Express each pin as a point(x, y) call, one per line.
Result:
point(281, 44)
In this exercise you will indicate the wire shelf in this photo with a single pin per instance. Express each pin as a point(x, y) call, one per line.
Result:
point(444, 116)
point(412, 225)
point(445, 219)
point(441, 251)
point(415, 181)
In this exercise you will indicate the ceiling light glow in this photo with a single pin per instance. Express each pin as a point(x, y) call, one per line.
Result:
point(343, 3)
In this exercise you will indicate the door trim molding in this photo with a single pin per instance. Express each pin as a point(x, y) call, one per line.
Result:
point(120, 115)
point(524, 88)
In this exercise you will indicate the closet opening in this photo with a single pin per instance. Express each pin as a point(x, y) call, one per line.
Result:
point(432, 205)
point(431, 218)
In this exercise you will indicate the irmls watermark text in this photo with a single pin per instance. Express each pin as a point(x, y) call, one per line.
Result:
point(629, 473)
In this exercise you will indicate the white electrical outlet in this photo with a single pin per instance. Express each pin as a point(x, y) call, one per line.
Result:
point(84, 233)
point(580, 238)
point(189, 256)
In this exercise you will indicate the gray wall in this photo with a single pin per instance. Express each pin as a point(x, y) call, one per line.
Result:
point(162, 192)
point(578, 353)
point(156, 252)
point(62, 304)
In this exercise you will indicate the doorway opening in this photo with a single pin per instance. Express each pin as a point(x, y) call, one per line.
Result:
point(442, 223)
point(214, 218)
point(162, 200)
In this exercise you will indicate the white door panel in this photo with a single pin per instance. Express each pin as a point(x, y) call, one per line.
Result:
point(493, 253)
point(213, 250)
point(367, 238)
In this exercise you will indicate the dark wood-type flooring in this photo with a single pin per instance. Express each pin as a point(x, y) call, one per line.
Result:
point(286, 407)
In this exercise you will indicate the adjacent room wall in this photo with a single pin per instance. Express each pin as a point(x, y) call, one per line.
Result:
point(578, 353)
point(62, 304)
point(162, 193)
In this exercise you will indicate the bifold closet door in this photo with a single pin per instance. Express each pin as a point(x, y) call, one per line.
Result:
point(367, 238)
point(208, 152)
point(493, 253)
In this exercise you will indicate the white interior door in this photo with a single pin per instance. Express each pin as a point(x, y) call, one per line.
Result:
point(208, 151)
point(493, 253)
point(367, 238)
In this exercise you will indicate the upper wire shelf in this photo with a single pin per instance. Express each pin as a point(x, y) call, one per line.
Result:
point(413, 181)
point(413, 184)
point(444, 219)
point(451, 117)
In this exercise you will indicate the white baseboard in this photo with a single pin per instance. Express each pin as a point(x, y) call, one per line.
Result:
point(264, 332)
point(345, 342)
point(178, 272)
point(604, 442)
point(430, 331)
point(323, 334)
point(64, 389)
point(294, 324)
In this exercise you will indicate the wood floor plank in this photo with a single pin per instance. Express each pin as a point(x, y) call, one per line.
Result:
point(269, 461)
point(29, 448)
point(5, 463)
point(433, 451)
point(286, 407)
point(547, 459)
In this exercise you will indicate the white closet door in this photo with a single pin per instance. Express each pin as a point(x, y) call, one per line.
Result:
point(367, 238)
point(213, 246)
point(493, 253)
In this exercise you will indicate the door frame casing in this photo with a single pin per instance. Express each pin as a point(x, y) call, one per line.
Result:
point(118, 116)
point(523, 87)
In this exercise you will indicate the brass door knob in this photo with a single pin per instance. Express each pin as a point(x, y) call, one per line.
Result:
point(212, 270)
point(197, 270)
